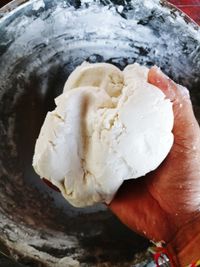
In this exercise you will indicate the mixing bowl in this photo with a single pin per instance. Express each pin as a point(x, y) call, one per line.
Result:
point(41, 42)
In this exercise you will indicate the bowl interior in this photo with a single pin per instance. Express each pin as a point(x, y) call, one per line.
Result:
point(41, 42)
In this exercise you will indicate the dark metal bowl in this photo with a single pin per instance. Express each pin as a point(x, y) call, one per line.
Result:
point(41, 42)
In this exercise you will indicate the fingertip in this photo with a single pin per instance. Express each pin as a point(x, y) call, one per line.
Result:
point(183, 91)
point(155, 75)
point(179, 96)
point(157, 78)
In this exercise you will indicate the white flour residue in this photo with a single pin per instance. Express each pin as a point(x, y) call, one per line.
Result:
point(150, 4)
point(38, 4)
point(120, 9)
point(90, 27)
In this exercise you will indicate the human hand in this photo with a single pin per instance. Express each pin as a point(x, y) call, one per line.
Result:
point(165, 204)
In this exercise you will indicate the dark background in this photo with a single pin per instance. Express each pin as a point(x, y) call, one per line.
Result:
point(3, 2)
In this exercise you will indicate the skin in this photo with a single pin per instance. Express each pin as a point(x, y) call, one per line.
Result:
point(164, 205)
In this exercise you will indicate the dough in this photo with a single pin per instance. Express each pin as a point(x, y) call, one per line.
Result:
point(108, 126)
point(106, 76)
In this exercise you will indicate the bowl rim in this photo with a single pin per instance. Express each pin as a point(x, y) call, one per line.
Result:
point(14, 4)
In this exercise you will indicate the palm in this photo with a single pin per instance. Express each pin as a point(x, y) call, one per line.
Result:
point(159, 203)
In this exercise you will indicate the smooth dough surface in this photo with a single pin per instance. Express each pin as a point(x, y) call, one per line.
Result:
point(109, 126)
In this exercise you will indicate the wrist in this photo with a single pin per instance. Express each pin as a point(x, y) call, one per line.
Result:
point(184, 248)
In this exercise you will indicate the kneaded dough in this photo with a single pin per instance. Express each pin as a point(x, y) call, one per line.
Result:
point(106, 76)
point(109, 126)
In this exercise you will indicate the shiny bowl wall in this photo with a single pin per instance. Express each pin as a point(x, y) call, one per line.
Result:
point(41, 42)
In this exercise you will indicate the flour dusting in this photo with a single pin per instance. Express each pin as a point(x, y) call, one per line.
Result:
point(38, 4)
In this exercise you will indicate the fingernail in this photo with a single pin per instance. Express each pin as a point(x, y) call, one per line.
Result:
point(184, 91)
point(159, 71)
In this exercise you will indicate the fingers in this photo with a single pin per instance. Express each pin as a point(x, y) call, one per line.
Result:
point(137, 209)
point(185, 124)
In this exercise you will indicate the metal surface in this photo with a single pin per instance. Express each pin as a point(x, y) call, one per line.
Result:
point(41, 42)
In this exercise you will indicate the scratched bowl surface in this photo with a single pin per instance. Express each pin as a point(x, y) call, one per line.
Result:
point(41, 42)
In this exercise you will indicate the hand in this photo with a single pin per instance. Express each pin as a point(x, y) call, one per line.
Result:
point(165, 204)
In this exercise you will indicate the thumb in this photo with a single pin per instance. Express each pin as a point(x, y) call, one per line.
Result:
point(173, 91)
point(185, 123)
